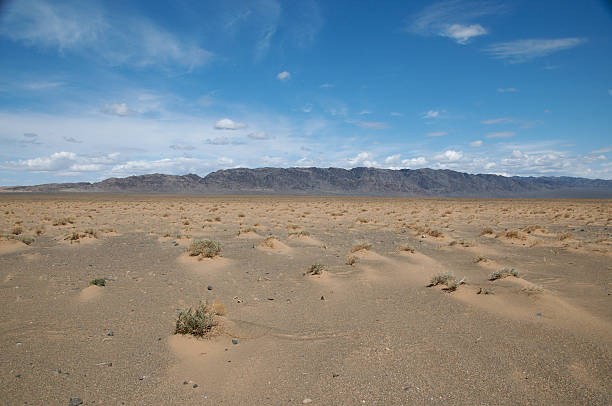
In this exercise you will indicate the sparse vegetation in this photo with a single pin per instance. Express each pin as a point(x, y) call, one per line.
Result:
point(98, 282)
point(485, 291)
point(435, 233)
point(351, 260)
point(247, 230)
point(463, 243)
point(269, 242)
point(204, 248)
point(511, 234)
point(481, 258)
point(315, 269)
point(198, 322)
point(564, 236)
point(361, 246)
point(17, 230)
point(300, 234)
point(406, 248)
point(27, 240)
point(533, 289)
point(63, 221)
point(486, 231)
point(503, 273)
point(447, 279)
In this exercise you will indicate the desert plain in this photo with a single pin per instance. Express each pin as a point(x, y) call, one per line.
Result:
point(364, 328)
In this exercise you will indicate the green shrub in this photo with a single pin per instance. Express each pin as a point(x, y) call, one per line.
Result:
point(198, 322)
point(98, 282)
point(502, 273)
point(204, 248)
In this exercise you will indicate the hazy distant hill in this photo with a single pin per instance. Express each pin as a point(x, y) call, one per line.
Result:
point(336, 181)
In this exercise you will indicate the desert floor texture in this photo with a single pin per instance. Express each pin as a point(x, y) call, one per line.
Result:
point(371, 332)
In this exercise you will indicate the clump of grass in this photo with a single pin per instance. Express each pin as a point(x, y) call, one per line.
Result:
point(564, 236)
point(534, 289)
point(90, 232)
point(511, 234)
point(361, 246)
point(485, 291)
point(315, 269)
point(447, 279)
point(269, 242)
point(463, 243)
point(98, 282)
point(503, 273)
point(74, 236)
point(300, 234)
point(406, 248)
point(351, 260)
point(435, 233)
point(27, 240)
point(204, 248)
point(63, 221)
point(247, 230)
point(17, 230)
point(481, 258)
point(486, 231)
point(198, 322)
point(361, 220)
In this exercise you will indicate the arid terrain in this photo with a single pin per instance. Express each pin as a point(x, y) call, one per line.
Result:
point(367, 329)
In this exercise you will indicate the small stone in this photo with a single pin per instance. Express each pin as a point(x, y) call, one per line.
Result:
point(234, 341)
point(322, 297)
point(195, 385)
point(209, 287)
point(75, 402)
point(335, 375)
point(538, 314)
point(110, 333)
point(306, 401)
point(185, 383)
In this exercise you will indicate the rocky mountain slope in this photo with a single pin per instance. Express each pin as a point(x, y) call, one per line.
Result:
point(337, 181)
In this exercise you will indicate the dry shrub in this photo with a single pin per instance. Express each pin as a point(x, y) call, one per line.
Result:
point(565, 236)
point(204, 248)
point(361, 246)
point(486, 231)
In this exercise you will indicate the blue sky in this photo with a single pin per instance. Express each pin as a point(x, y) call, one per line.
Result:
point(90, 90)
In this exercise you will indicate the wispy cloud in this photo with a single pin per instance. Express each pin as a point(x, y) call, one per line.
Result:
point(528, 49)
point(260, 135)
point(377, 125)
point(117, 109)
point(501, 134)
point(476, 144)
point(510, 120)
point(436, 134)
point(507, 90)
point(42, 85)
point(83, 28)
point(454, 19)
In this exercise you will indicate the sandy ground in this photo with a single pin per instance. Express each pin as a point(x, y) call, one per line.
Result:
point(367, 333)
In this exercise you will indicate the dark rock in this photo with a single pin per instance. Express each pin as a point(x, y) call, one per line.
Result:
point(195, 385)
point(234, 341)
point(209, 287)
point(75, 402)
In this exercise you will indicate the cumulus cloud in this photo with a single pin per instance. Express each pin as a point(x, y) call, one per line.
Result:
point(449, 156)
point(436, 134)
point(225, 161)
point(395, 162)
point(524, 50)
point(283, 76)
point(377, 125)
point(476, 144)
point(227, 124)
point(62, 162)
point(362, 159)
point(501, 134)
point(118, 109)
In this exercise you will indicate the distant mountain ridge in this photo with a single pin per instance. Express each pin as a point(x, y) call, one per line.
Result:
point(338, 181)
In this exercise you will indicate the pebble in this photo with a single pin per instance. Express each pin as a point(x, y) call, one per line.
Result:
point(75, 402)
point(306, 401)
point(110, 334)
point(539, 314)
point(209, 287)
point(195, 385)
point(234, 341)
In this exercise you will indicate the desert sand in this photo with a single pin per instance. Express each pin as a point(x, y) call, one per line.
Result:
point(369, 332)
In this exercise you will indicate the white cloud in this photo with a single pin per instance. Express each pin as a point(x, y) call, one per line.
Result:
point(118, 109)
point(62, 162)
point(260, 135)
point(362, 159)
point(42, 85)
point(182, 147)
point(227, 124)
point(454, 19)
point(218, 141)
point(463, 33)
point(431, 114)
point(72, 140)
point(326, 85)
point(283, 76)
point(307, 108)
point(393, 159)
point(83, 27)
point(507, 90)
point(436, 134)
point(476, 144)
point(364, 112)
point(449, 156)
point(501, 134)
point(377, 125)
point(225, 161)
point(395, 162)
point(527, 49)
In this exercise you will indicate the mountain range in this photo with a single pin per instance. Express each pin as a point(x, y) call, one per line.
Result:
point(343, 182)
